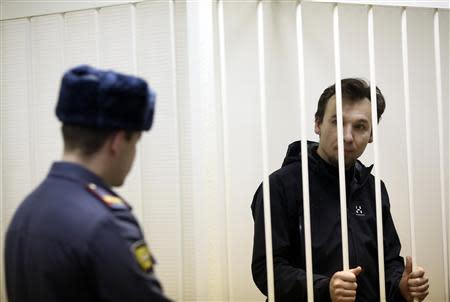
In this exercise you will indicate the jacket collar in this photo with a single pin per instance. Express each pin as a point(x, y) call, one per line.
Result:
point(357, 175)
point(75, 172)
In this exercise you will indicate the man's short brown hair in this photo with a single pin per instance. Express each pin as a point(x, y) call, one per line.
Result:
point(87, 140)
point(353, 89)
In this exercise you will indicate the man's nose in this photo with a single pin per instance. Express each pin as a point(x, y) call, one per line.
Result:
point(348, 135)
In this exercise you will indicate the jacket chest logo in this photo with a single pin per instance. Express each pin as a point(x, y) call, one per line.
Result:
point(359, 211)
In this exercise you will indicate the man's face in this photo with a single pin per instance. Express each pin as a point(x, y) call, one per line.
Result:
point(357, 130)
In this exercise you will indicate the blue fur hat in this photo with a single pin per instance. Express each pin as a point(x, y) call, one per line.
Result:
point(105, 99)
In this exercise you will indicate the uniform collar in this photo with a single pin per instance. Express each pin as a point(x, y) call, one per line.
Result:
point(75, 172)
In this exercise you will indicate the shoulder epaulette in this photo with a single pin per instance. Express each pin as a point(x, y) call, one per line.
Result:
point(112, 201)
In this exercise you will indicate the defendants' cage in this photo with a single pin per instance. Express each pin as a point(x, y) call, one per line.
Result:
point(209, 81)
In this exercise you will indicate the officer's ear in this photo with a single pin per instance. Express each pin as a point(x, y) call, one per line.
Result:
point(116, 142)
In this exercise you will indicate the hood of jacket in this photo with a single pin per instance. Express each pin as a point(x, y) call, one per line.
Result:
point(357, 173)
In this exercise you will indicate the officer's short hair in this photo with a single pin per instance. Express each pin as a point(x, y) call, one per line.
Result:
point(95, 103)
point(353, 89)
point(87, 141)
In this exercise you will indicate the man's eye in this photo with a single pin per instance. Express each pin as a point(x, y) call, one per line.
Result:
point(361, 127)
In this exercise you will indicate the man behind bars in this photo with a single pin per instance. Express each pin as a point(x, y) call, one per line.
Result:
point(331, 283)
point(73, 238)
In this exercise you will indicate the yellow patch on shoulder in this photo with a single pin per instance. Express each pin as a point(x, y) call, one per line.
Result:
point(111, 199)
point(107, 197)
point(142, 255)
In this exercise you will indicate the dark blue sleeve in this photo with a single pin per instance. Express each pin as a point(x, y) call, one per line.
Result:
point(116, 274)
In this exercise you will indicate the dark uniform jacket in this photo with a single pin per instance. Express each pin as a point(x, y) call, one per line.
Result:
point(288, 231)
point(73, 239)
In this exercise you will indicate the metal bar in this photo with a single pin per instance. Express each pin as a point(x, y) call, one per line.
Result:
point(134, 65)
point(378, 201)
point(31, 101)
point(133, 39)
point(265, 156)
point(408, 132)
point(437, 58)
point(177, 127)
point(97, 37)
point(340, 138)
point(226, 155)
point(304, 148)
point(63, 38)
point(22, 9)
point(444, 4)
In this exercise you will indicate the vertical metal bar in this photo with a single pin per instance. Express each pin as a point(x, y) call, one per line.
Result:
point(177, 127)
point(2, 210)
point(226, 156)
point(133, 38)
point(437, 58)
point(408, 133)
point(340, 138)
point(304, 148)
point(97, 36)
point(63, 39)
point(265, 157)
point(2, 127)
point(138, 160)
point(31, 99)
point(378, 201)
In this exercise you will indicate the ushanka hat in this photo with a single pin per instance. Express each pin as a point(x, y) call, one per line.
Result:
point(105, 99)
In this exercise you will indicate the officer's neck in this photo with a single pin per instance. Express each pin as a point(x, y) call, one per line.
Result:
point(94, 163)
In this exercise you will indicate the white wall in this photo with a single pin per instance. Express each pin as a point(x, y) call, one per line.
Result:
point(177, 186)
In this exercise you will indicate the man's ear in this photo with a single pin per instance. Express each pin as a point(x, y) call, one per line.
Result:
point(115, 142)
point(317, 125)
point(371, 136)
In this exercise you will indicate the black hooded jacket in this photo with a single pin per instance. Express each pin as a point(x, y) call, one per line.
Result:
point(288, 231)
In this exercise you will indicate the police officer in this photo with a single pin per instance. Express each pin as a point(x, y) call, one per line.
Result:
point(73, 238)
